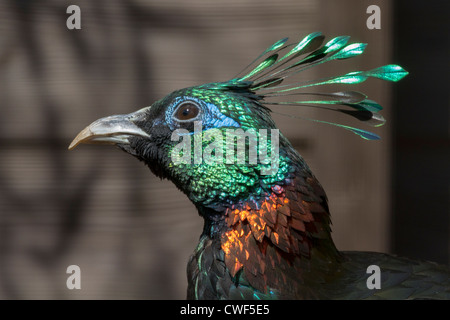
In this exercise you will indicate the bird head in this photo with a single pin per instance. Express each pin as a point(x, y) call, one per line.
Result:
point(183, 137)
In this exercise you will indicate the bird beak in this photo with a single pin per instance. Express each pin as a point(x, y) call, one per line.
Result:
point(111, 130)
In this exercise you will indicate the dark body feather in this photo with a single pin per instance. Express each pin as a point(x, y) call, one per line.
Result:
point(301, 262)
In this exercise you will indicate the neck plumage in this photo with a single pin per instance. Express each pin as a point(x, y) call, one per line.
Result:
point(288, 227)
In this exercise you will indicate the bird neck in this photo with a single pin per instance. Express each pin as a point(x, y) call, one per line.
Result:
point(289, 222)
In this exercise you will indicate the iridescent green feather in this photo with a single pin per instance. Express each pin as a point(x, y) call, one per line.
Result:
point(391, 72)
point(265, 80)
point(267, 63)
point(303, 45)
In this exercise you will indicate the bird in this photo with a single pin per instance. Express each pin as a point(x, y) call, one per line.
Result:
point(267, 224)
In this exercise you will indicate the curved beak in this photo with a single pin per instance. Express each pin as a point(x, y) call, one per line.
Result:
point(115, 129)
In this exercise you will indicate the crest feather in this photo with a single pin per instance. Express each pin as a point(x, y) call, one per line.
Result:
point(282, 60)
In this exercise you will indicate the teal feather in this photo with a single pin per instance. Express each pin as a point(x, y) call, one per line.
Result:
point(267, 78)
point(391, 72)
point(366, 104)
point(349, 51)
point(336, 44)
point(267, 63)
point(331, 46)
point(360, 132)
point(350, 97)
point(277, 45)
point(305, 45)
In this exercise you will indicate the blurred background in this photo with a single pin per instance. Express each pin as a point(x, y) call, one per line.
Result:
point(132, 234)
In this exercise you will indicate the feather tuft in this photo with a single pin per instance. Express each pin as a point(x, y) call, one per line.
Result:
point(282, 60)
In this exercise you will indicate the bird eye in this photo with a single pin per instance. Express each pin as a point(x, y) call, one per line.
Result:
point(186, 111)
